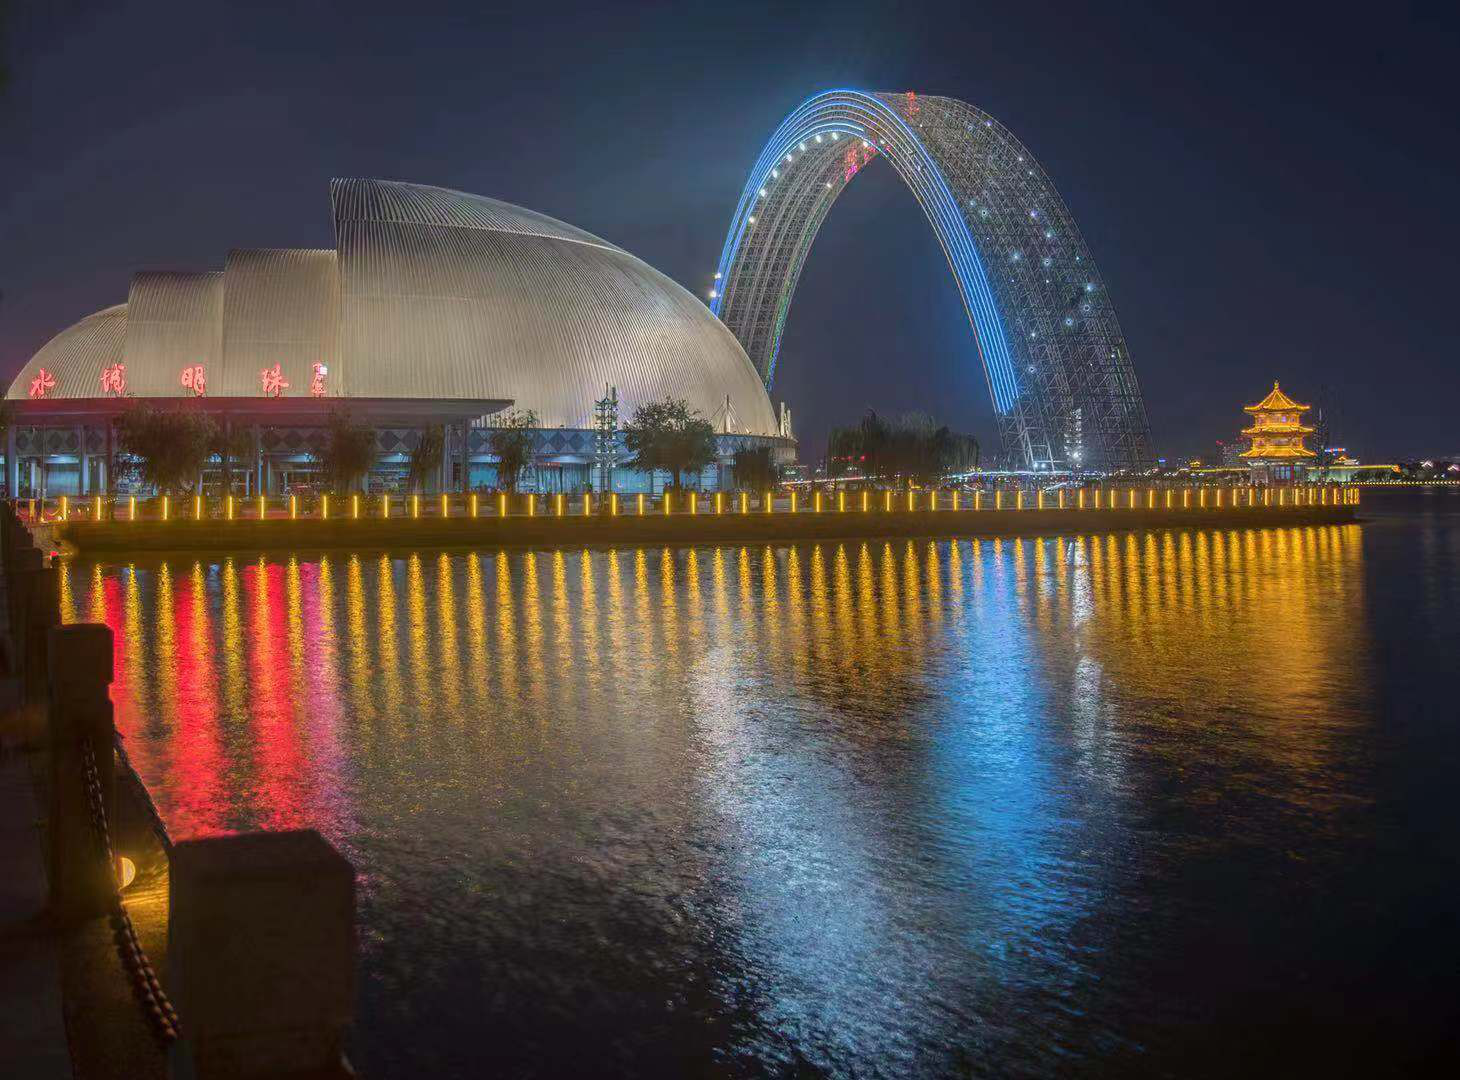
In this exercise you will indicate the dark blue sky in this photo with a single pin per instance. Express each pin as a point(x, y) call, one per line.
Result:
point(1269, 192)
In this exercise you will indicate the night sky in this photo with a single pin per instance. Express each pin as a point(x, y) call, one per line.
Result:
point(1269, 194)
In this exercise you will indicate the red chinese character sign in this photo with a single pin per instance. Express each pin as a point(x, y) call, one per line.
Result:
point(43, 383)
point(273, 381)
point(193, 379)
point(316, 383)
point(855, 158)
point(114, 379)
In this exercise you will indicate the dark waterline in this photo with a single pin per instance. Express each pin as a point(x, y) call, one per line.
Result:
point(1170, 803)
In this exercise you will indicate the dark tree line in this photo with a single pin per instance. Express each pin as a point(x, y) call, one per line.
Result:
point(909, 449)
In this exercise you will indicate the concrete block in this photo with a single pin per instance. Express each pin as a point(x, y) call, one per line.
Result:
point(261, 955)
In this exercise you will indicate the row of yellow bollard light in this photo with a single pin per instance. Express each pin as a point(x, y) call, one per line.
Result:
point(352, 507)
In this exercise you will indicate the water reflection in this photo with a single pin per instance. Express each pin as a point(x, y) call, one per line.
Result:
point(861, 807)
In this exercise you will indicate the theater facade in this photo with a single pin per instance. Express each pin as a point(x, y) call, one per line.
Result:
point(435, 308)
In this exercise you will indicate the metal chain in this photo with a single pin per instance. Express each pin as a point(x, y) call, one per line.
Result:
point(159, 827)
point(145, 984)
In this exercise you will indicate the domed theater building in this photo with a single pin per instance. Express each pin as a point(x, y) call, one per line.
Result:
point(434, 307)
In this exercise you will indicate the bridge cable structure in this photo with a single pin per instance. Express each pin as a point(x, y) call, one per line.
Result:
point(1060, 376)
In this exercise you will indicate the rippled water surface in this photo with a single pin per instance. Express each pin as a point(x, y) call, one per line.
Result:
point(1168, 803)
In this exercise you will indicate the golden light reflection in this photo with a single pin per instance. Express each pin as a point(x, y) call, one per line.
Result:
point(225, 670)
point(447, 628)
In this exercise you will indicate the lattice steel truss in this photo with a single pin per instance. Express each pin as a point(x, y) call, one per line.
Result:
point(1057, 366)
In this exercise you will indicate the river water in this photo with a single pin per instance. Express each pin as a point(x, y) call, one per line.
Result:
point(1169, 803)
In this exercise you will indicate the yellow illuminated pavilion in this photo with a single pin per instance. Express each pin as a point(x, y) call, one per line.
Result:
point(1277, 430)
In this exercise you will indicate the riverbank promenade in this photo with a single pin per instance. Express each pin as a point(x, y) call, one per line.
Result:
point(108, 928)
point(196, 523)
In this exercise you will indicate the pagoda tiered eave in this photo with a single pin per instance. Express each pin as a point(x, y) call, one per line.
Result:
point(1278, 429)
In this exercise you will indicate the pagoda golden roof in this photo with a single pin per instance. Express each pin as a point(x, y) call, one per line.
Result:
point(1265, 452)
point(1276, 401)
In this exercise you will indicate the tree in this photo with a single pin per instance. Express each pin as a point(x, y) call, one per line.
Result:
point(426, 456)
point(348, 451)
point(755, 469)
point(913, 449)
point(511, 440)
point(669, 435)
point(864, 447)
point(167, 447)
point(231, 445)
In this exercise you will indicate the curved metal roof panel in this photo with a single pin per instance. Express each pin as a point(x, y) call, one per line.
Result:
point(281, 306)
point(74, 359)
point(174, 320)
point(421, 204)
point(450, 295)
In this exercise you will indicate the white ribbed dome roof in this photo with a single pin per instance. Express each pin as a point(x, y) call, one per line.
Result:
point(429, 294)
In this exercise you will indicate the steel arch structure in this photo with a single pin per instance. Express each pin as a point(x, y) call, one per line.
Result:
point(1057, 366)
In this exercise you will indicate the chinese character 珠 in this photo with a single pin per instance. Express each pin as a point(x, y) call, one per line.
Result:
point(273, 381)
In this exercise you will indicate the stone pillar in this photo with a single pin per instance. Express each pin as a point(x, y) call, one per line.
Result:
point(106, 475)
point(41, 598)
point(465, 455)
point(261, 955)
point(83, 462)
point(12, 464)
point(258, 458)
point(82, 882)
point(23, 560)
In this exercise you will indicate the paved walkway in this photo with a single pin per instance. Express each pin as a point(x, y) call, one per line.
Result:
point(33, 1042)
point(34, 1034)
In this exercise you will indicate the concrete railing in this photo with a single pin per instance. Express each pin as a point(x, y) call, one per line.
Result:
point(260, 976)
point(387, 507)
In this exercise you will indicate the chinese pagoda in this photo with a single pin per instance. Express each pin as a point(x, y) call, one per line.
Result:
point(1277, 435)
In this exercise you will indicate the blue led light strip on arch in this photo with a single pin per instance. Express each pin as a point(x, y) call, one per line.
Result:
point(924, 177)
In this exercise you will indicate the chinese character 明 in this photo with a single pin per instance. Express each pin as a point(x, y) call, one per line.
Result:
point(43, 383)
point(114, 379)
point(316, 383)
point(274, 381)
point(194, 379)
